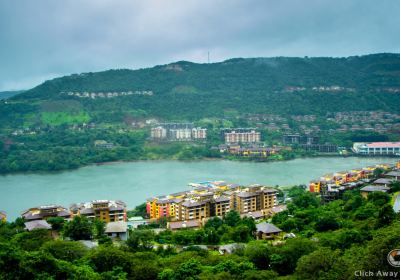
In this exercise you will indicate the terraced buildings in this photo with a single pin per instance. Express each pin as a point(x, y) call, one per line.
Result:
point(211, 199)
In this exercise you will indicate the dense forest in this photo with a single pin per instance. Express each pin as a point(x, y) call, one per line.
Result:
point(185, 90)
point(335, 241)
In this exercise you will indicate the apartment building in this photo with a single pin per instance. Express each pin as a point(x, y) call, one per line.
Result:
point(199, 133)
point(45, 212)
point(178, 132)
point(158, 133)
point(241, 135)
point(209, 199)
point(104, 210)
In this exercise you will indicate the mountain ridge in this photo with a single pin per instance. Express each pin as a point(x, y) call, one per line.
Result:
point(191, 91)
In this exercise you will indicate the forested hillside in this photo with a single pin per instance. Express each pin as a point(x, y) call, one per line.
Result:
point(185, 90)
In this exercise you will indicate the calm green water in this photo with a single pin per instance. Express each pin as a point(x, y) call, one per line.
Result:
point(136, 181)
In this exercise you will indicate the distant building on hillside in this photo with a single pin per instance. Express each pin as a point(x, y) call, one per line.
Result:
point(377, 148)
point(320, 148)
point(158, 133)
point(178, 132)
point(103, 144)
point(296, 139)
point(241, 135)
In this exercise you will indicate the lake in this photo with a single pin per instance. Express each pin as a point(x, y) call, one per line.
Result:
point(133, 182)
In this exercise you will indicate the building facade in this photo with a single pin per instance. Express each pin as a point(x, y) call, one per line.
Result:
point(377, 148)
point(103, 210)
point(209, 199)
point(242, 136)
point(45, 212)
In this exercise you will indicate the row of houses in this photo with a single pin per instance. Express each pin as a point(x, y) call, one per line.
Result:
point(210, 199)
point(332, 186)
point(112, 212)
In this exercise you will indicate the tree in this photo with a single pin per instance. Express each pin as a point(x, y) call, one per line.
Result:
point(80, 228)
point(378, 198)
point(327, 222)
point(65, 250)
point(316, 264)
point(259, 254)
point(306, 200)
point(214, 222)
point(232, 218)
point(99, 228)
point(140, 240)
point(56, 223)
point(386, 215)
point(188, 270)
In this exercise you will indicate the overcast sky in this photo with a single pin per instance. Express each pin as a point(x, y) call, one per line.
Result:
point(42, 39)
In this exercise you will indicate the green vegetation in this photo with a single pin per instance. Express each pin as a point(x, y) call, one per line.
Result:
point(331, 242)
point(45, 128)
point(59, 118)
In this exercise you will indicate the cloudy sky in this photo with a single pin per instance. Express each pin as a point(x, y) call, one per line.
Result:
point(43, 39)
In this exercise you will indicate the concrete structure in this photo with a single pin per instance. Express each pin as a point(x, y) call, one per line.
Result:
point(242, 135)
point(158, 133)
point(199, 133)
point(183, 225)
point(37, 224)
point(104, 210)
point(393, 175)
point(383, 182)
point(178, 132)
point(103, 144)
point(135, 222)
point(267, 231)
point(210, 199)
point(290, 139)
point(369, 189)
point(117, 229)
point(45, 212)
point(377, 148)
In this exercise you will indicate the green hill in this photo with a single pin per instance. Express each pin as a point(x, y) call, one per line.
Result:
point(185, 90)
point(9, 94)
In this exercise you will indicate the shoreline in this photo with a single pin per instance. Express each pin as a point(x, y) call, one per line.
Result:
point(253, 160)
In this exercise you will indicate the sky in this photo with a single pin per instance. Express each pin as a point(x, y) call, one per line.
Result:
point(43, 39)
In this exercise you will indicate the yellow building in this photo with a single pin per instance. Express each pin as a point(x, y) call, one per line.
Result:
point(222, 205)
point(103, 210)
point(197, 210)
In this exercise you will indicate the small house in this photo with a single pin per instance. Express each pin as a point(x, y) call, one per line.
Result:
point(369, 189)
point(117, 229)
point(267, 231)
point(37, 224)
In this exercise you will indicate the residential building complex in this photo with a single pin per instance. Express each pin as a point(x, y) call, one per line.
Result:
point(332, 186)
point(241, 135)
point(178, 132)
point(104, 210)
point(377, 148)
point(45, 212)
point(211, 199)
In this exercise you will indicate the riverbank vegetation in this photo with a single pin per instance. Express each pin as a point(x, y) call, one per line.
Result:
point(330, 241)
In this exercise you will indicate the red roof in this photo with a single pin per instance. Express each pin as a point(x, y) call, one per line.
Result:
point(384, 145)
